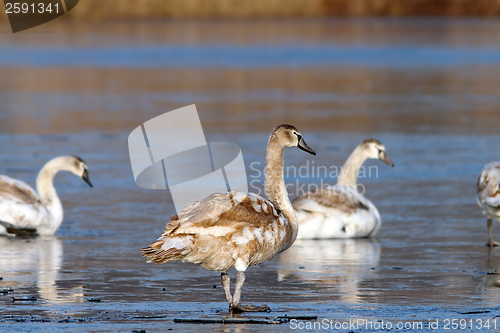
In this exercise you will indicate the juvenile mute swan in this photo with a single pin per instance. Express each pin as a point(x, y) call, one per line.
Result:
point(340, 211)
point(488, 195)
point(24, 212)
point(235, 229)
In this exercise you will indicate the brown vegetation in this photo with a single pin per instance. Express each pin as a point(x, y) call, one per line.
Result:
point(138, 9)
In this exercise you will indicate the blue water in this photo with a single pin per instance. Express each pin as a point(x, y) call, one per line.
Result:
point(234, 56)
point(427, 89)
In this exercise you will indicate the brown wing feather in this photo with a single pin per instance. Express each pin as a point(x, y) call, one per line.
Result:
point(490, 185)
point(481, 185)
point(224, 210)
point(210, 232)
point(332, 198)
point(156, 254)
point(24, 194)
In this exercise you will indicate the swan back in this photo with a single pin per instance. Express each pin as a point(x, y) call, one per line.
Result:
point(17, 190)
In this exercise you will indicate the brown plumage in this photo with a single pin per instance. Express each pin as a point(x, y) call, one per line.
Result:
point(331, 198)
point(16, 190)
point(247, 221)
point(235, 229)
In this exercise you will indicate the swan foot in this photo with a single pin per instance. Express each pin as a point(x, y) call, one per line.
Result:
point(234, 301)
point(492, 243)
point(250, 308)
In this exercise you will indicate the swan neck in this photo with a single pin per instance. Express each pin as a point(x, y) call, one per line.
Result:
point(349, 172)
point(48, 195)
point(275, 184)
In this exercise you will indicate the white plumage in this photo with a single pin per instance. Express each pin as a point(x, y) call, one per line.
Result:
point(340, 211)
point(488, 195)
point(336, 212)
point(26, 212)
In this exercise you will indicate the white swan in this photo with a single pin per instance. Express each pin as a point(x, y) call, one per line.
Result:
point(24, 212)
point(340, 211)
point(235, 229)
point(488, 195)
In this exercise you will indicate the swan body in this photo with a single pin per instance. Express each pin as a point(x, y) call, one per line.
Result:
point(235, 229)
point(340, 211)
point(23, 211)
point(336, 212)
point(239, 230)
point(488, 195)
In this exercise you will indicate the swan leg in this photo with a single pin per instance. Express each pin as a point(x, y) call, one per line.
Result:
point(227, 287)
point(492, 242)
point(236, 303)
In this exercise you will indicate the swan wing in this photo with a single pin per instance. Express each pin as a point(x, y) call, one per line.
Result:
point(18, 190)
point(222, 213)
point(20, 206)
point(222, 231)
point(335, 200)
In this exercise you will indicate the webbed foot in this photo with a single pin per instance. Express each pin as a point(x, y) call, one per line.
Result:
point(492, 243)
point(250, 308)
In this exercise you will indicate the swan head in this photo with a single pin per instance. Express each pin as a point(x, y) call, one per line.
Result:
point(78, 167)
point(73, 164)
point(289, 136)
point(372, 148)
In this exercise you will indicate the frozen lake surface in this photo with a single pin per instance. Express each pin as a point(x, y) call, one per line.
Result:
point(427, 89)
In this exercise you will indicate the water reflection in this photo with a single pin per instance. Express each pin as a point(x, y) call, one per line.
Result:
point(36, 262)
point(337, 264)
point(489, 287)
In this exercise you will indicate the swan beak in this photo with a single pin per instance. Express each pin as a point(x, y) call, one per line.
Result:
point(85, 177)
point(386, 160)
point(303, 145)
